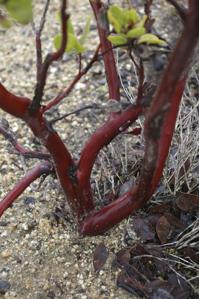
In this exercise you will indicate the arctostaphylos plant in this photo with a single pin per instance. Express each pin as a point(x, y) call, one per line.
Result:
point(158, 103)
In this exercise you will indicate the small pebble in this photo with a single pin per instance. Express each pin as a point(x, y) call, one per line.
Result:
point(29, 200)
point(4, 272)
point(4, 286)
point(6, 253)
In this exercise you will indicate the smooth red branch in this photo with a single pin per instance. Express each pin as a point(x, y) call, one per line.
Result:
point(167, 133)
point(63, 162)
point(106, 48)
point(99, 222)
point(161, 119)
point(155, 155)
point(159, 126)
point(98, 140)
point(103, 137)
point(12, 104)
point(30, 176)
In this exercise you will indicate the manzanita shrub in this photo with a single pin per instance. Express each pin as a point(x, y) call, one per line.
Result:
point(117, 27)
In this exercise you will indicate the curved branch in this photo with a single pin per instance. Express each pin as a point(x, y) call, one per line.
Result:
point(164, 109)
point(30, 176)
point(100, 221)
point(12, 104)
point(64, 164)
point(101, 138)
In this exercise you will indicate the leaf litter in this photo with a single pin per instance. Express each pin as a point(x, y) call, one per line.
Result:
point(164, 262)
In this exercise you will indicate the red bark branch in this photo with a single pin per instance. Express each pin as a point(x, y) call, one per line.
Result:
point(30, 176)
point(158, 131)
point(63, 162)
point(159, 126)
point(167, 134)
point(14, 105)
point(106, 48)
point(101, 138)
point(100, 221)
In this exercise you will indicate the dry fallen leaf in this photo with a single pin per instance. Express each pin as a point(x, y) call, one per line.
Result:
point(99, 257)
point(188, 202)
point(163, 229)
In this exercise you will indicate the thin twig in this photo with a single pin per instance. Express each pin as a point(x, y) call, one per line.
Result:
point(69, 88)
point(182, 11)
point(21, 150)
point(80, 62)
point(43, 18)
point(71, 113)
point(134, 61)
point(37, 99)
point(141, 78)
point(38, 33)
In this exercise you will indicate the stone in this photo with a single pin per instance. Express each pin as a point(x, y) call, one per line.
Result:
point(4, 286)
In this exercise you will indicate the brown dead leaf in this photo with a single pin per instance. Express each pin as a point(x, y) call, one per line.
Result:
point(161, 208)
point(191, 253)
point(188, 202)
point(131, 284)
point(145, 227)
point(99, 257)
point(174, 221)
point(163, 228)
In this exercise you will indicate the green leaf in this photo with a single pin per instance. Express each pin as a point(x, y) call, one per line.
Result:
point(142, 22)
point(20, 10)
point(57, 41)
point(151, 39)
point(70, 28)
point(116, 17)
point(117, 40)
point(79, 49)
point(132, 16)
point(86, 31)
point(136, 32)
point(72, 43)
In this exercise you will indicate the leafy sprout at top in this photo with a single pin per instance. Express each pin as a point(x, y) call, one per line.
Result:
point(130, 26)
